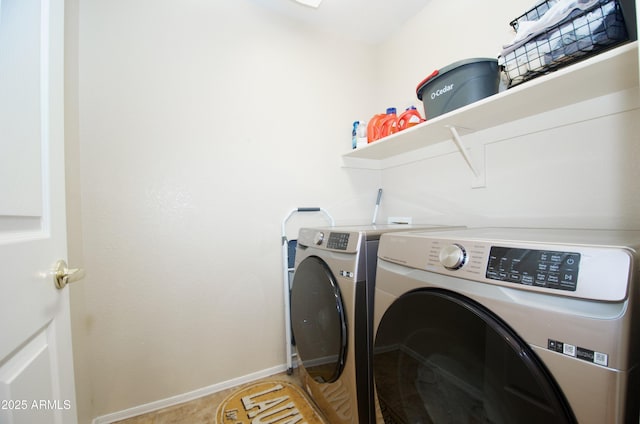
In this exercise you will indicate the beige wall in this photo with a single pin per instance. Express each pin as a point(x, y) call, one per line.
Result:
point(200, 125)
point(195, 126)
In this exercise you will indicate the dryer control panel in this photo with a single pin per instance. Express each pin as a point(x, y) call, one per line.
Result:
point(541, 268)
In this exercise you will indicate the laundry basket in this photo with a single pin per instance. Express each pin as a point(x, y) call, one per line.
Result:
point(585, 29)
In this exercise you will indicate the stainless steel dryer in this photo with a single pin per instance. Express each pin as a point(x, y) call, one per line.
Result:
point(508, 326)
point(331, 316)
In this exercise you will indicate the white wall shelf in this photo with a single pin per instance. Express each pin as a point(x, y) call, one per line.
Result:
point(612, 71)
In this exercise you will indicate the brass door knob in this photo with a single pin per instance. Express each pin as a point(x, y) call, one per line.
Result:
point(62, 275)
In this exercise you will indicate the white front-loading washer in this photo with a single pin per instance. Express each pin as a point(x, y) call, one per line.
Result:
point(504, 325)
point(332, 313)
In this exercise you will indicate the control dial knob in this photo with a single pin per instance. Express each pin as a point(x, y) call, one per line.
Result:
point(453, 256)
point(318, 238)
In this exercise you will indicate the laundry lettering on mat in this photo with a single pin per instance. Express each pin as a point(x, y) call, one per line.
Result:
point(269, 411)
point(231, 414)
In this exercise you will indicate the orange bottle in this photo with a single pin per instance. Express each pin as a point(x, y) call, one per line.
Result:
point(409, 118)
point(389, 124)
point(373, 127)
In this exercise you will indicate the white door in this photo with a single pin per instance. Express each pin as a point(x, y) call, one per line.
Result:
point(36, 368)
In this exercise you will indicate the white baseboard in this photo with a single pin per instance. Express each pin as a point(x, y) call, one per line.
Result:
point(186, 397)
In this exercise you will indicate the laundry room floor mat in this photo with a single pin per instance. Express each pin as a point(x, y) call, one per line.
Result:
point(271, 401)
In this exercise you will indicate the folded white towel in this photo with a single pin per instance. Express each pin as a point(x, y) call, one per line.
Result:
point(556, 13)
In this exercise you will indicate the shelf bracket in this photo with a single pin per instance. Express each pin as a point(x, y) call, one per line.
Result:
point(475, 159)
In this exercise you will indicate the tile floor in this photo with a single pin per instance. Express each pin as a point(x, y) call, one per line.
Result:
point(198, 411)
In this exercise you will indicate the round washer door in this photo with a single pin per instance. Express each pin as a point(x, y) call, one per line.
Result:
point(440, 357)
point(318, 320)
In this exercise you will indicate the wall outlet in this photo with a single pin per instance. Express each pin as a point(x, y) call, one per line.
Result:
point(399, 220)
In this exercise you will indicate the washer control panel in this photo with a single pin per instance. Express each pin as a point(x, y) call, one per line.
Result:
point(342, 241)
point(338, 241)
point(541, 268)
